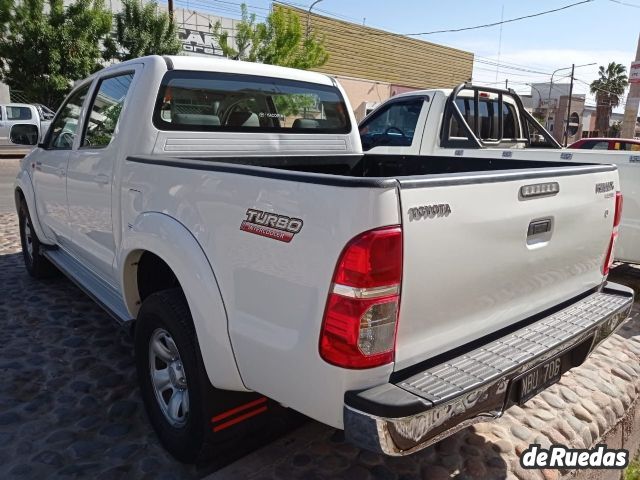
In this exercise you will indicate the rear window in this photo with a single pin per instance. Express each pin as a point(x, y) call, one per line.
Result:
point(488, 118)
point(596, 145)
point(18, 113)
point(206, 101)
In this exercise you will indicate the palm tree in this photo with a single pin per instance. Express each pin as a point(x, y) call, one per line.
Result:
point(608, 89)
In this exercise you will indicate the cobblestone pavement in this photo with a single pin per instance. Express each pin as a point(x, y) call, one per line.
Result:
point(69, 402)
point(70, 407)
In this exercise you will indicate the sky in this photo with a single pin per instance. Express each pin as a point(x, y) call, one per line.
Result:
point(598, 32)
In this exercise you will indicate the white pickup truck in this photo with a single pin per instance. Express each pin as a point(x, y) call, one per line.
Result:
point(23, 123)
point(487, 123)
point(227, 208)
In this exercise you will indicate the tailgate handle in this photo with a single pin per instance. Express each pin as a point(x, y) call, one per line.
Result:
point(539, 226)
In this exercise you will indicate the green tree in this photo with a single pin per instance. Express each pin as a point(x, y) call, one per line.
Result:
point(45, 46)
point(608, 89)
point(142, 30)
point(280, 40)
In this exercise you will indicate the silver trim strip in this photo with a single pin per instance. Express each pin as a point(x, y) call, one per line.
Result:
point(365, 293)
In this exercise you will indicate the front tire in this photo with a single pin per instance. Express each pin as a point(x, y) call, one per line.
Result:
point(175, 389)
point(37, 265)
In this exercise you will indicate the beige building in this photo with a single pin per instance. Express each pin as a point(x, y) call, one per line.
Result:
point(373, 65)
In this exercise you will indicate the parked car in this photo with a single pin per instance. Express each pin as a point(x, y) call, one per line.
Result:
point(31, 123)
point(489, 122)
point(261, 254)
point(624, 144)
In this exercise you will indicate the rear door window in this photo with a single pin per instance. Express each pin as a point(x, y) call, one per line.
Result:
point(393, 125)
point(105, 110)
point(18, 113)
point(207, 101)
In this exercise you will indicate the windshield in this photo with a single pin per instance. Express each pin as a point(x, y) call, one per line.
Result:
point(207, 101)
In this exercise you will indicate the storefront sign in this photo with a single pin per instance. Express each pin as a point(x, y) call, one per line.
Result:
point(194, 41)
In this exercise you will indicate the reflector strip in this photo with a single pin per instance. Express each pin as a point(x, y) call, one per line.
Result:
point(235, 410)
point(239, 419)
point(373, 292)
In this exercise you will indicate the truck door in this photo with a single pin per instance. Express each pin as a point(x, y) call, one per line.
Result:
point(90, 174)
point(49, 166)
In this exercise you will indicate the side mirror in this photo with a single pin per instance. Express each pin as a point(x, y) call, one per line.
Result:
point(24, 134)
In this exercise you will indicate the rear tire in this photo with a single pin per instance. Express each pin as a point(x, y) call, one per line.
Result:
point(177, 394)
point(37, 265)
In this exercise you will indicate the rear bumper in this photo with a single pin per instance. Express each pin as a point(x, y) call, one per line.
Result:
point(405, 416)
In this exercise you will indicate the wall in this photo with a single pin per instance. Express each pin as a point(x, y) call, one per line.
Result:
point(398, 89)
point(360, 92)
point(560, 118)
point(362, 52)
point(4, 93)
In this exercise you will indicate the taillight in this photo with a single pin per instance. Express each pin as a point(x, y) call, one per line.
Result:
point(608, 258)
point(359, 326)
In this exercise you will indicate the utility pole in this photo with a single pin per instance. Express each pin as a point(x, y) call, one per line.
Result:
point(631, 107)
point(309, 16)
point(506, 84)
point(566, 130)
point(170, 7)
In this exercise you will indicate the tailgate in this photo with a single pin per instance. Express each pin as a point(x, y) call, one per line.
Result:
point(478, 257)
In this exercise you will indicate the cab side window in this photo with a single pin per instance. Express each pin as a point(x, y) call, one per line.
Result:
point(63, 128)
point(393, 125)
point(105, 110)
point(18, 113)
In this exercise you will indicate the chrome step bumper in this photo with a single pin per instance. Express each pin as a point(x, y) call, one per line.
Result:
point(405, 416)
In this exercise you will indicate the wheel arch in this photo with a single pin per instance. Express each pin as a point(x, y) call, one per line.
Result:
point(160, 236)
point(23, 192)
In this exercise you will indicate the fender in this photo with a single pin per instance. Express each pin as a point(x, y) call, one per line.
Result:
point(23, 184)
point(170, 240)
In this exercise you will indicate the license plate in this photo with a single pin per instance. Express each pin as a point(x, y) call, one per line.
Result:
point(541, 377)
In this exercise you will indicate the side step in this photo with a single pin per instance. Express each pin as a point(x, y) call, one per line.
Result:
point(100, 291)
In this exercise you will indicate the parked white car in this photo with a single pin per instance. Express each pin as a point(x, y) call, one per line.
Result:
point(227, 208)
point(487, 123)
point(32, 123)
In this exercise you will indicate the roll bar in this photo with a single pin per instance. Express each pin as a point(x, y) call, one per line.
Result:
point(473, 139)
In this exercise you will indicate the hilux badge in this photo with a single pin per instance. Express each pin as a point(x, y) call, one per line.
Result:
point(604, 187)
point(429, 211)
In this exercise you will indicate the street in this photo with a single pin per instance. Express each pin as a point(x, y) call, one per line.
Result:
point(8, 171)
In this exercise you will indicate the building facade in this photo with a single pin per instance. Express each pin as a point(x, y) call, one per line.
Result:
point(550, 102)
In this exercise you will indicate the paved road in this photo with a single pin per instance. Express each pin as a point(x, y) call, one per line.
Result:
point(8, 170)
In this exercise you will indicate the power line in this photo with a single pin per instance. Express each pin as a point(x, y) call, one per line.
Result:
point(475, 27)
point(625, 3)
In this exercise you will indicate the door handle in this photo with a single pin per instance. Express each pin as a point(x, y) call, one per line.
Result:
point(38, 163)
point(102, 179)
